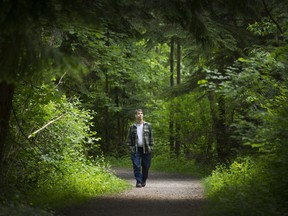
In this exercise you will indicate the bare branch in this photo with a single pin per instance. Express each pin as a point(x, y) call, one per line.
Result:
point(46, 125)
point(271, 17)
point(60, 81)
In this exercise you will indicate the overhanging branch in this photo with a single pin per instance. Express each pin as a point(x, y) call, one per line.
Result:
point(46, 125)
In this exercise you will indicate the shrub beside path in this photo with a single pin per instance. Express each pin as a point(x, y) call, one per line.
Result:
point(164, 195)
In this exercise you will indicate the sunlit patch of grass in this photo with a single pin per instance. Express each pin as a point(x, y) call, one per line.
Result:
point(76, 186)
point(247, 187)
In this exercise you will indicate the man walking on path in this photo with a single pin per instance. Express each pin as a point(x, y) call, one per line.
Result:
point(140, 141)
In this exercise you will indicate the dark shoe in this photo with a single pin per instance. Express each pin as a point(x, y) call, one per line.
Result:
point(138, 185)
point(143, 184)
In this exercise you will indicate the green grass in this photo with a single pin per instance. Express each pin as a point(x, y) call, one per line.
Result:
point(248, 188)
point(76, 183)
point(166, 164)
point(76, 187)
point(179, 165)
point(71, 189)
point(124, 161)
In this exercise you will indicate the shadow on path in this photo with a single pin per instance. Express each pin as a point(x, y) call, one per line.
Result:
point(164, 195)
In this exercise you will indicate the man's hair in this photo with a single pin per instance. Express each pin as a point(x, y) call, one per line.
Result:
point(138, 110)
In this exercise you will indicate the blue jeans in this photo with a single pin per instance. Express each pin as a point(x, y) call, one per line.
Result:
point(139, 160)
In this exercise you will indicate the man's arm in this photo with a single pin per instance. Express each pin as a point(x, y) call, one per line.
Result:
point(129, 141)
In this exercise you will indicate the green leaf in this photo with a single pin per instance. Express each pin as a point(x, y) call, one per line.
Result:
point(202, 81)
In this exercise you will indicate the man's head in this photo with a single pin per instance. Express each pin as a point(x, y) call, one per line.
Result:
point(139, 115)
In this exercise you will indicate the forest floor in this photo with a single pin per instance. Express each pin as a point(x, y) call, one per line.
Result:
point(164, 195)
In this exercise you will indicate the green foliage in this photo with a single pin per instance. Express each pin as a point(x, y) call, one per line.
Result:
point(241, 106)
point(255, 92)
point(75, 182)
point(196, 137)
point(118, 66)
point(49, 156)
point(263, 28)
point(247, 187)
point(58, 129)
point(166, 163)
point(192, 113)
point(250, 88)
point(256, 89)
point(123, 161)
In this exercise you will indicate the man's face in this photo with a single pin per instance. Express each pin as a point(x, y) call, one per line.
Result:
point(139, 116)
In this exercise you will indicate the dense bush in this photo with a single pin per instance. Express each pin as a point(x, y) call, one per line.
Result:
point(256, 185)
point(248, 187)
point(76, 182)
point(49, 160)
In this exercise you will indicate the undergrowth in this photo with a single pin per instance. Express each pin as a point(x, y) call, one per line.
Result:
point(58, 164)
point(248, 187)
point(166, 163)
point(179, 165)
point(79, 183)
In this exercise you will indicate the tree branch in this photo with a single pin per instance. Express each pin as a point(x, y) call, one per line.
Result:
point(273, 20)
point(60, 81)
point(46, 125)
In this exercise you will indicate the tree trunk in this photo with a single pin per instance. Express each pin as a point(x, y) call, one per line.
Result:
point(178, 124)
point(172, 62)
point(6, 97)
point(106, 147)
point(119, 135)
point(178, 62)
point(219, 127)
point(171, 122)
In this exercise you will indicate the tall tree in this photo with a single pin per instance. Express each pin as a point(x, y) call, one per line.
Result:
point(7, 91)
point(171, 121)
point(21, 50)
point(178, 123)
point(29, 43)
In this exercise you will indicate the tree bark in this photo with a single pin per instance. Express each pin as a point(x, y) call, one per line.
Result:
point(171, 62)
point(6, 97)
point(178, 81)
point(106, 123)
point(171, 121)
point(119, 135)
point(178, 62)
point(219, 127)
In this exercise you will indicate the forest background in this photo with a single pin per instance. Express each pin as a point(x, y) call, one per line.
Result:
point(211, 77)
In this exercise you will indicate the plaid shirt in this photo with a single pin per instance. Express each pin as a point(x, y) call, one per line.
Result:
point(132, 139)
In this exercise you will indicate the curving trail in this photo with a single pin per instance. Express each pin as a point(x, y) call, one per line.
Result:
point(164, 195)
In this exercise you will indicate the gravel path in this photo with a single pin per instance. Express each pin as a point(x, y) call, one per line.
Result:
point(164, 195)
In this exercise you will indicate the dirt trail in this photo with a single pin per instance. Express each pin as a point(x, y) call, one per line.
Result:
point(164, 195)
